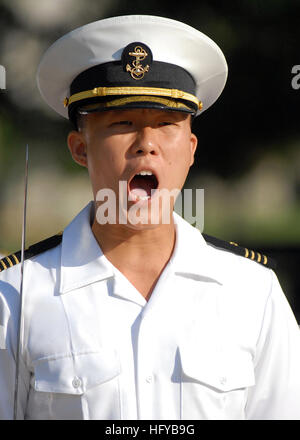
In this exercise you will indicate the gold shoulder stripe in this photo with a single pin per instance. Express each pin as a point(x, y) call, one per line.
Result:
point(3, 265)
point(242, 251)
point(35, 249)
point(10, 262)
point(15, 258)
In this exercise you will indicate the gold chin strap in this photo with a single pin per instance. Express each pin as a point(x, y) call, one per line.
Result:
point(134, 99)
point(120, 91)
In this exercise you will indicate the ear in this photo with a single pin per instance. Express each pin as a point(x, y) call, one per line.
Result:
point(194, 143)
point(77, 146)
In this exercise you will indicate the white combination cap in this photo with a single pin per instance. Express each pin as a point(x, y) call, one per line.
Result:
point(133, 61)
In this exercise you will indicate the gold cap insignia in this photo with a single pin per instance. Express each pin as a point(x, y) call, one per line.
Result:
point(132, 58)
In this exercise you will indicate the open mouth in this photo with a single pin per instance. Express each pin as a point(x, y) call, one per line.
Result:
point(143, 185)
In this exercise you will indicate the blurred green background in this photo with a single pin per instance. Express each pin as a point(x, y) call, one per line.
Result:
point(248, 159)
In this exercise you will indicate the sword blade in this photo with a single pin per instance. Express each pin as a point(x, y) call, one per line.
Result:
point(20, 321)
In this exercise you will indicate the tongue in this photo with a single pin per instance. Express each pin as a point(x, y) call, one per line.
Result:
point(141, 186)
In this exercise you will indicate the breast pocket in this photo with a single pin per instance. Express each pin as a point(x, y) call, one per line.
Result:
point(214, 385)
point(78, 386)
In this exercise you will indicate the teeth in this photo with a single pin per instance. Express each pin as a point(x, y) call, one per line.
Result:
point(144, 173)
point(135, 198)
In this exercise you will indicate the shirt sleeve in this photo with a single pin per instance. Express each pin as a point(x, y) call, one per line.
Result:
point(9, 313)
point(276, 394)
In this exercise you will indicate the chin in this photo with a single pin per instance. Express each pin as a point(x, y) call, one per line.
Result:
point(141, 220)
point(141, 226)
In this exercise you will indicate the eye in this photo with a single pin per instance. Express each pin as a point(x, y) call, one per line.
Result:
point(126, 123)
point(165, 123)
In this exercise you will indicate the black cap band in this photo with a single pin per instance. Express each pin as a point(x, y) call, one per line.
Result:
point(143, 82)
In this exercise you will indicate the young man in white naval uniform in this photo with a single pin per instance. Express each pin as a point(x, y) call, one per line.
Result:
point(148, 320)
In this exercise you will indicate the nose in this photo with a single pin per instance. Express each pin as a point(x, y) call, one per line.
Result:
point(145, 142)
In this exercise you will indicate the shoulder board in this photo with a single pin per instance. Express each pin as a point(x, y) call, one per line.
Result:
point(33, 250)
point(242, 251)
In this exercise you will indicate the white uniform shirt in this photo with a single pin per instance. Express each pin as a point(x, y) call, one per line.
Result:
point(217, 339)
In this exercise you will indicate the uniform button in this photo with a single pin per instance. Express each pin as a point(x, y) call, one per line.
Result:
point(149, 379)
point(76, 382)
point(223, 380)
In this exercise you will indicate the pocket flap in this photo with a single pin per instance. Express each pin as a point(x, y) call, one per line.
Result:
point(73, 374)
point(223, 372)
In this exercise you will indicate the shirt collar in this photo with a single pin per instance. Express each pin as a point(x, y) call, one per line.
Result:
point(192, 256)
point(82, 261)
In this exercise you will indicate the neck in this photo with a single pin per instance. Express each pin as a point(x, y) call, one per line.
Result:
point(140, 254)
point(119, 239)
